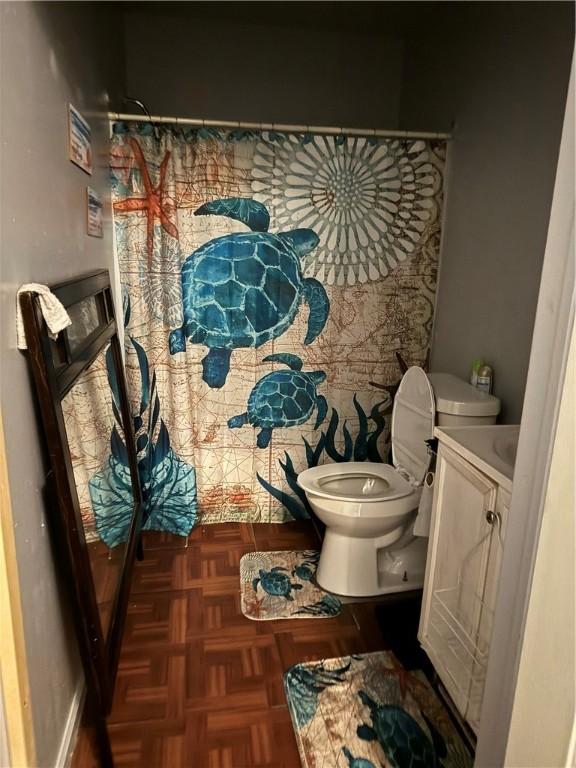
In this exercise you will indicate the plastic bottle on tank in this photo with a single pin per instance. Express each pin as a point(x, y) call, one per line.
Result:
point(485, 376)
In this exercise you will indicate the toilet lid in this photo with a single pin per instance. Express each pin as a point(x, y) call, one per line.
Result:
point(413, 423)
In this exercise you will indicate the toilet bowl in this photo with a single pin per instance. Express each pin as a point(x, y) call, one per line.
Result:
point(369, 509)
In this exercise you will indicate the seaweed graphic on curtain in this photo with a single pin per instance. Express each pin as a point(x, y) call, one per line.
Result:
point(363, 448)
point(168, 484)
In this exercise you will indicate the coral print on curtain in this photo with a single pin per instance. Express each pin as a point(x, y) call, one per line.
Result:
point(272, 277)
point(100, 459)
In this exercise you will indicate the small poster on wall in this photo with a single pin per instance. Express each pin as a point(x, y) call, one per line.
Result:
point(79, 140)
point(94, 225)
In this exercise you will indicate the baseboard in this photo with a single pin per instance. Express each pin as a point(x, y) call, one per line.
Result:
point(70, 734)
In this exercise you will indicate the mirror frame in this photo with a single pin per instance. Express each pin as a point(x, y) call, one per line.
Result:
point(56, 366)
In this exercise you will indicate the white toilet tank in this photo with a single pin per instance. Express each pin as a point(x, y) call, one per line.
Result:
point(460, 404)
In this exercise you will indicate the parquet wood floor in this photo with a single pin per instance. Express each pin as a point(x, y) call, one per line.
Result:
point(199, 685)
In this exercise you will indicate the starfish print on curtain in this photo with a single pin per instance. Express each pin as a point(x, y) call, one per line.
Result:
point(156, 204)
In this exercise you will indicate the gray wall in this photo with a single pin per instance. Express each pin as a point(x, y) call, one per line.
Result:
point(50, 54)
point(226, 69)
point(500, 70)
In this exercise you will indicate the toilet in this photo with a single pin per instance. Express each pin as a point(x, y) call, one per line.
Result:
point(369, 509)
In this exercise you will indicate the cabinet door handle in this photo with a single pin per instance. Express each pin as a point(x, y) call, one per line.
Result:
point(493, 517)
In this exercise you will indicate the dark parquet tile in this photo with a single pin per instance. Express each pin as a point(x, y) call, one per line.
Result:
point(150, 745)
point(273, 536)
point(209, 562)
point(222, 533)
point(153, 540)
point(156, 620)
point(199, 685)
point(261, 738)
point(369, 629)
point(159, 571)
point(212, 614)
point(150, 686)
point(226, 673)
point(315, 643)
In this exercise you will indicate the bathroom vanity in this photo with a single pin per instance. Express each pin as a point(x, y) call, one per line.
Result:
point(473, 485)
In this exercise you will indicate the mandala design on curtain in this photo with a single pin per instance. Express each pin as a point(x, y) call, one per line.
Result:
point(371, 203)
point(272, 279)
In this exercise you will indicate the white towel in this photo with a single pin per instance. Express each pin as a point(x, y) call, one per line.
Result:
point(52, 309)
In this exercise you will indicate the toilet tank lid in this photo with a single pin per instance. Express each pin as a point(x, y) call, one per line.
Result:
point(457, 397)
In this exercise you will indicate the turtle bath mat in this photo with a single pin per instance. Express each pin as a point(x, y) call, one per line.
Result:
point(368, 711)
point(280, 585)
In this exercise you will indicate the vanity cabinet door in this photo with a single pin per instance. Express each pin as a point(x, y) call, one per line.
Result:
point(458, 556)
point(489, 593)
point(495, 561)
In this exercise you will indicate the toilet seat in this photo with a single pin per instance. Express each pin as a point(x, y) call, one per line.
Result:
point(413, 419)
point(330, 481)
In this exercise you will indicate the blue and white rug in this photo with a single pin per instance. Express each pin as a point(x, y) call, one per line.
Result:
point(281, 585)
point(368, 711)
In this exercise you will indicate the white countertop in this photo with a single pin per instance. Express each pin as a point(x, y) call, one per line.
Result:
point(490, 448)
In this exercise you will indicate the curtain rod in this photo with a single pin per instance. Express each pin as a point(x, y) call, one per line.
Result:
point(284, 128)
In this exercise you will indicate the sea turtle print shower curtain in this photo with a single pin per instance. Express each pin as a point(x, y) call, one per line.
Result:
point(269, 279)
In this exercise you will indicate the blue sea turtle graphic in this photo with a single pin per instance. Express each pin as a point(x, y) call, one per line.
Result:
point(401, 737)
point(283, 399)
point(244, 289)
point(275, 582)
point(356, 762)
point(306, 569)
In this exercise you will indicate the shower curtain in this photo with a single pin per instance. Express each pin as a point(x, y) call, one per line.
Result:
point(269, 280)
